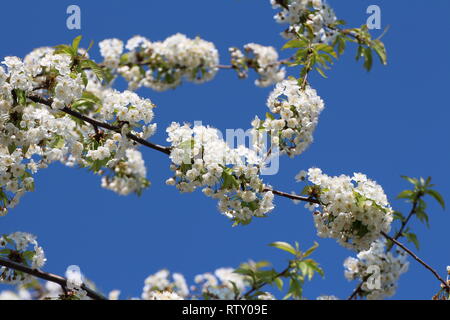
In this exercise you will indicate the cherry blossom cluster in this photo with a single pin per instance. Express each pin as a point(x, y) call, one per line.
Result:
point(312, 18)
point(35, 133)
point(294, 115)
point(219, 286)
point(20, 294)
point(383, 268)
point(161, 65)
point(34, 291)
point(159, 286)
point(22, 248)
point(263, 59)
point(200, 158)
point(223, 284)
point(354, 210)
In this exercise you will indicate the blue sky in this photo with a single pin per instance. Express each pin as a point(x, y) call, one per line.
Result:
point(392, 121)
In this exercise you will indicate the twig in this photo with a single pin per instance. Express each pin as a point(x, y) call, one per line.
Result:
point(105, 125)
point(49, 277)
point(293, 196)
point(163, 149)
point(412, 254)
point(411, 213)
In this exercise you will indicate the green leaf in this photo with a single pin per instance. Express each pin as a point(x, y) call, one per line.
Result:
point(341, 44)
point(98, 164)
point(413, 181)
point(399, 216)
point(368, 59)
point(326, 48)
point(295, 289)
point(437, 196)
point(76, 43)
point(310, 266)
point(84, 78)
point(11, 148)
point(423, 217)
point(380, 49)
point(320, 71)
point(270, 116)
point(407, 194)
point(65, 49)
point(359, 53)
point(310, 250)
point(296, 43)
point(21, 97)
point(98, 71)
point(28, 254)
point(25, 149)
point(411, 237)
point(279, 283)
point(285, 247)
point(245, 272)
point(58, 143)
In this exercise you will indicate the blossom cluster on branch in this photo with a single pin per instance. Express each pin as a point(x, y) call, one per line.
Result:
point(353, 210)
point(294, 115)
point(20, 247)
point(202, 159)
point(35, 134)
point(384, 267)
point(59, 105)
point(263, 59)
point(223, 284)
point(308, 17)
point(167, 62)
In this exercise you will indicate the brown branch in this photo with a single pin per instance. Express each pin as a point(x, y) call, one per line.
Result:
point(412, 254)
point(411, 213)
point(292, 196)
point(356, 291)
point(96, 123)
point(163, 149)
point(49, 277)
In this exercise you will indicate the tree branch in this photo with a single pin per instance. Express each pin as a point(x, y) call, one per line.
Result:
point(166, 150)
point(49, 277)
point(292, 196)
point(105, 125)
point(412, 254)
point(405, 222)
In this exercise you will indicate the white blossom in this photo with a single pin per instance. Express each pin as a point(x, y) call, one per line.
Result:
point(316, 14)
point(202, 159)
point(111, 50)
point(383, 266)
point(23, 248)
point(267, 63)
point(354, 210)
point(168, 62)
point(298, 115)
point(159, 285)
